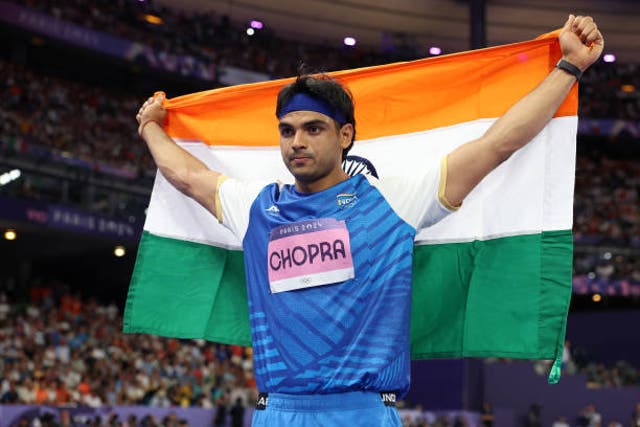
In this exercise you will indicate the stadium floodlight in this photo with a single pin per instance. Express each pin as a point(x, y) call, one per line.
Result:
point(256, 24)
point(250, 31)
point(435, 50)
point(7, 177)
point(349, 41)
point(119, 251)
point(609, 57)
point(10, 234)
point(153, 19)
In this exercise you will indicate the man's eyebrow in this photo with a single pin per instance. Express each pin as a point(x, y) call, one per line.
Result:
point(314, 122)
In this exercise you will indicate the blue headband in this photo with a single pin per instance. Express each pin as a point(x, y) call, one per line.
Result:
point(305, 102)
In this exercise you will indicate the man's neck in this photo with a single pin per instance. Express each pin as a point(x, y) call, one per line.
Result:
point(322, 183)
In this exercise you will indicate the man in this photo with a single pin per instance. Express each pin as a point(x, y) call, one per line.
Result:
point(328, 259)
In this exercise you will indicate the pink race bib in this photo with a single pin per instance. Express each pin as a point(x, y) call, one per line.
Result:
point(309, 253)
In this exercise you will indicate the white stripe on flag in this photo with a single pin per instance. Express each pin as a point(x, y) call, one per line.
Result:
point(502, 205)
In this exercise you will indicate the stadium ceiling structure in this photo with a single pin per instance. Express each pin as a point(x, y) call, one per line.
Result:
point(426, 23)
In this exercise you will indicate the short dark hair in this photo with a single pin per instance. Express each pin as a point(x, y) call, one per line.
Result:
point(326, 89)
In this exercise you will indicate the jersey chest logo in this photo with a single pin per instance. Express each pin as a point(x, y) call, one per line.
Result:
point(309, 253)
point(346, 199)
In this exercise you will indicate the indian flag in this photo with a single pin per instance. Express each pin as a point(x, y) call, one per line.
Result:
point(493, 279)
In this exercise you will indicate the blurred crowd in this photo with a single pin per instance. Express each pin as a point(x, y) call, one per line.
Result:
point(58, 348)
point(95, 126)
point(611, 91)
point(589, 416)
point(607, 215)
point(598, 375)
point(73, 123)
point(51, 118)
point(602, 273)
point(608, 90)
point(622, 374)
point(607, 208)
point(64, 120)
point(215, 39)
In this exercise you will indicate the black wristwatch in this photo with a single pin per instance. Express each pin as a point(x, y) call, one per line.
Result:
point(569, 68)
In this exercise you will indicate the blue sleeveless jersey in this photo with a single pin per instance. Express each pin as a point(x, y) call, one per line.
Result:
point(336, 337)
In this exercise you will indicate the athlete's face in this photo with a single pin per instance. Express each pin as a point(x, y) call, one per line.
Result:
point(311, 146)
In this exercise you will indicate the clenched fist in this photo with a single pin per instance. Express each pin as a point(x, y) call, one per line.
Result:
point(151, 111)
point(580, 41)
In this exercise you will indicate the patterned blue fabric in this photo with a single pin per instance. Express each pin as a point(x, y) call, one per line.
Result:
point(348, 336)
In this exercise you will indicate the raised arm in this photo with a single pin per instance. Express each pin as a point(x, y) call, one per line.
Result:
point(182, 170)
point(581, 44)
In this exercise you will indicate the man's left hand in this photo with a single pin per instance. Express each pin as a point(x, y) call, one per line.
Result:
point(580, 41)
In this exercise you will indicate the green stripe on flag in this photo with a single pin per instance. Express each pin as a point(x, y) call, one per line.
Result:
point(188, 290)
point(505, 297)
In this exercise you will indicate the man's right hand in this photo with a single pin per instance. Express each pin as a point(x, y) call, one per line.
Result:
point(151, 111)
point(184, 171)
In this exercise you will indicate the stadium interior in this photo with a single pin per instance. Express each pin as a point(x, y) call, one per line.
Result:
point(75, 181)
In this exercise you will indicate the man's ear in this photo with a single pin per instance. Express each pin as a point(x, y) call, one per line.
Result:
point(346, 135)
